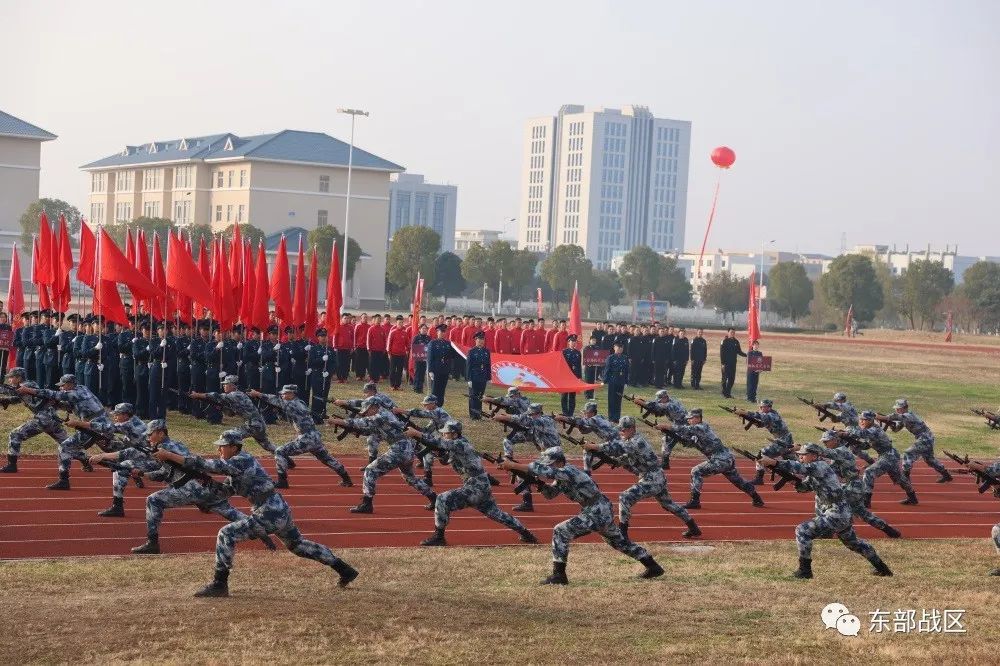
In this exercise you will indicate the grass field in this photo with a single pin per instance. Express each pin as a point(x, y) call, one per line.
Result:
point(718, 602)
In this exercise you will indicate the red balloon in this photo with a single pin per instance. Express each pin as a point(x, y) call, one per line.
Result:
point(723, 157)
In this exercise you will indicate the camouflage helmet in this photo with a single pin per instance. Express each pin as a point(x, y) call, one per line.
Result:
point(829, 436)
point(626, 422)
point(695, 413)
point(67, 379)
point(867, 415)
point(230, 379)
point(429, 399)
point(591, 406)
point(290, 388)
point(839, 396)
point(513, 390)
point(901, 404)
point(370, 387)
point(661, 394)
point(451, 426)
point(810, 447)
point(17, 372)
point(552, 455)
point(369, 402)
point(535, 408)
point(124, 408)
point(766, 402)
point(154, 425)
point(230, 438)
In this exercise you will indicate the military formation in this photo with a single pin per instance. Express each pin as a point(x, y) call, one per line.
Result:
point(116, 386)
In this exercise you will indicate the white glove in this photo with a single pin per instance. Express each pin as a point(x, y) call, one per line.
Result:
point(326, 357)
point(326, 374)
point(277, 347)
point(222, 375)
point(58, 347)
point(163, 342)
point(218, 346)
point(239, 345)
point(308, 347)
point(309, 371)
point(470, 384)
point(430, 376)
point(100, 367)
point(134, 340)
point(293, 360)
point(99, 346)
point(163, 365)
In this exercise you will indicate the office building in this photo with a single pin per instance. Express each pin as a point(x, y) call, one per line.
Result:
point(414, 202)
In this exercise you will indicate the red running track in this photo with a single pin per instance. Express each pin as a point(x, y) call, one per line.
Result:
point(36, 523)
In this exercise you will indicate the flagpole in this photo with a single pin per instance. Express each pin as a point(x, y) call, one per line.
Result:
point(100, 350)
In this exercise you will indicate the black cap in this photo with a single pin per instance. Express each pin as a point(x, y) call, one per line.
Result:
point(273, 328)
point(320, 332)
point(442, 327)
point(571, 338)
point(479, 335)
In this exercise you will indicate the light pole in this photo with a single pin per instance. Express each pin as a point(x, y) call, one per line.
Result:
point(353, 113)
point(760, 279)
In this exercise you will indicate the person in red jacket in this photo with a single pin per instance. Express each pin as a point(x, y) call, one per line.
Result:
point(360, 361)
point(344, 344)
point(528, 337)
point(491, 334)
point(515, 336)
point(378, 360)
point(559, 336)
point(501, 339)
point(550, 335)
point(398, 346)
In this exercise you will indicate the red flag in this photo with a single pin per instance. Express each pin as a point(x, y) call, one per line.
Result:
point(261, 294)
point(236, 263)
point(64, 262)
point(142, 265)
point(418, 298)
point(184, 302)
point(248, 281)
point(575, 321)
point(312, 316)
point(183, 275)
point(15, 290)
point(108, 304)
point(280, 289)
point(334, 295)
point(114, 267)
point(130, 247)
point(949, 326)
point(222, 288)
point(849, 321)
point(753, 312)
point(44, 273)
point(163, 305)
point(85, 272)
point(43, 292)
point(299, 303)
point(539, 302)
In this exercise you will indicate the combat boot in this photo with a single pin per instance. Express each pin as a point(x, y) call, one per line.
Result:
point(805, 568)
point(268, 542)
point(11, 466)
point(85, 464)
point(994, 572)
point(116, 510)
point(892, 532)
point(346, 571)
point(151, 547)
point(911, 498)
point(653, 569)
point(282, 481)
point(694, 502)
point(430, 502)
point(219, 587)
point(881, 568)
point(758, 501)
point(526, 505)
point(558, 576)
point(346, 480)
point(436, 539)
point(758, 480)
point(365, 506)
point(623, 528)
point(527, 536)
point(61, 484)
point(692, 530)
point(946, 477)
point(429, 478)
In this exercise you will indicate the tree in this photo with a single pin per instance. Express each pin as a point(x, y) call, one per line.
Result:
point(323, 238)
point(521, 273)
point(981, 285)
point(640, 271)
point(789, 290)
point(851, 281)
point(148, 225)
point(888, 314)
point(198, 232)
point(726, 293)
point(53, 209)
point(486, 265)
point(248, 232)
point(413, 251)
point(603, 287)
point(565, 267)
point(673, 285)
point(448, 280)
point(923, 286)
point(963, 310)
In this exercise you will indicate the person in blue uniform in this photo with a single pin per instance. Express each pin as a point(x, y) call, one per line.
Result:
point(420, 367)
point(79, 358)
point(616, 375)
point(283, 359)
point(214, 372)
point(477, 374)
point(574, 360)
point(199, 342)
point(92, 352)
point(140, 377)
point(268, 370)
point(64, 346)
point(439, 356)
point(50, 354)
point(126, 366)
point(111, 380)
point(182, 343)
point(321, 365)
point(162, 356)
point(250, 360)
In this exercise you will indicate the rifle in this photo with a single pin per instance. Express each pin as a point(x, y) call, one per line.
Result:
point(204, 478)
point(8, 390)
point(669, 434)
point(845, 437)
point(645, 410)
point(992, 419)
point(984, 480)
point(602, 457)
point(513, 426)
point(353, 411)
point(346, 430)
point(212, 401)
point(822, 410)
point(887, 423)
point(96, 437)
point(749, 419)
point(786, 477)
point(494, 403)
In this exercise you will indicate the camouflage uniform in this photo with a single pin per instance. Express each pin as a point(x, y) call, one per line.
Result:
point(438, 417)
point(604, 429)
point(842, 460)
point(782, 447)
point(513, 404)
point(994, 470)
point(720, 459)
point(887, 462)
point(130, 458)
point(848, 412)
point(673, 410)
point(638, 457)
point(387, 403)
point(540, 430)
point(241, 405)
point(308, 439)
point(596, 515)
point(44, 420)
point(87, 407)
point(384, 426)
point(923, 444)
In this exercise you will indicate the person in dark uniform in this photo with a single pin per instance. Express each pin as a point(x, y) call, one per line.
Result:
point(162, 355)
point(283, 358)
point(607, 343)
point(661, 357)
point(213, 372)
point(141, 354)
point(478, 371)
point(30, 348)
point(64, 346)
point(420, 367)
point(590, 371)
point(616, 375)
point(49, 356)
point(111, 373)
point(268, 370)
point(575, 362)
point(679, 357)
point(199, 344)
point(19, 341)
point(729, 349)
point(182, 343)
point(699, 353)
point(753, 377)
point(322, 365)
point(92, 351)
point(79, 358)
point(250, 357)
point(126, 366)
point(439, 353)
point(298, 350)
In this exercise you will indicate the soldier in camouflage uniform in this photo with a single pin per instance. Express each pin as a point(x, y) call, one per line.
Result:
point(698, 434)
point(993, 469)
point(637, 456)
point(848, 412)
point(591, 422)
point(596, 515)
point(475, 491)
point(842, 460)
point(532, 426)
point(438, 417)
point(89, 412)
point(888, 458)
point(833, 515)
point(270, 513)
point(369, 390)
point(307, 438)
point(184, 487)
point(781, 446)
point(923, 444)
point(43, 420)
point(132, 459)
point(236, 401)
point(374, 419)
point(671, 408)
point(513, 402)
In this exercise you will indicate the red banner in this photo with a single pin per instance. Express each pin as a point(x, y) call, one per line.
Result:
point(534, 373)
point(759, 364)
point(594, 356)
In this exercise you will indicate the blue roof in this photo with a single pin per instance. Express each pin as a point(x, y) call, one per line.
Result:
point(11, 126)
point(287, 146)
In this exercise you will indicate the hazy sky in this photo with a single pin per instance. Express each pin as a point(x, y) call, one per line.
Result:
point(877, 119)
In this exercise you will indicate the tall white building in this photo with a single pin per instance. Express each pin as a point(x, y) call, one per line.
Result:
point(413, 202)
point(605, 180)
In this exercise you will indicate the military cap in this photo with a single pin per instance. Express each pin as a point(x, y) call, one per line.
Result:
point(626, 422)
point(17, 372)
point(839, 396)
point(571, 338)
point(144, 326)
point(868, 415)
point(230, 438)
point(552, 455)
point(535, 408)
point(67, 379)
point(370, 402)
point(161, 324)
point(662, 393)
point(828, 436)
point(230, 379)
point(154, 425)
point(289, 388)
point(513, 390)
point(591, 406)
point(694, 413)
point(429, 398)
point(479, 335)
point(72, 317)
point(203, 325)
point(815, 449)
point(766, 403)
point(238, 328)
point(320, 332)
point(273, 328)
point(289, 329)
point(451, 426)
point(901, 404)
point(123, 408)
point(619, 343)
point(370, 387)
point(442, 327)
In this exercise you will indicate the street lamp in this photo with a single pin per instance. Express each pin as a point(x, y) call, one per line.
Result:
point(353, 113)
point(760, 279)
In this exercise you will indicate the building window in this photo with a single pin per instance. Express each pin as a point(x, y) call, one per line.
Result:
point(240, 214)
point(402, 210)
point(182, 176)
point(243, 177)
point(151, 209)
point(420, 209)
point(123, 212)
point(324, 183)
point(229, 182)
point(321, 218)
point(218, 178)
point(438, 213)
point(229, 213)
point(182, 211)
point(218, 213)
point(97, 213)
